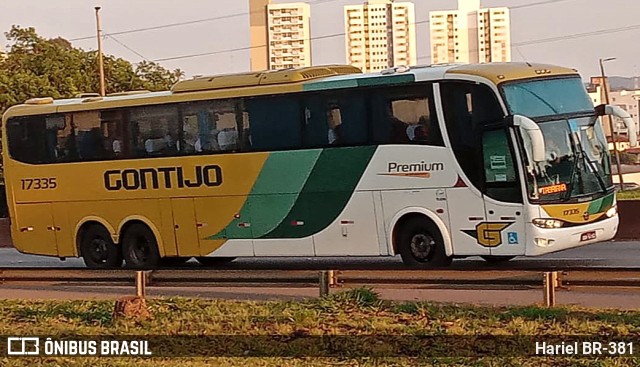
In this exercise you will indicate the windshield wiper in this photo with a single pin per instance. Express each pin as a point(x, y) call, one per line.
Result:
point(594, 168)
point(574, 169)
point(583, 157)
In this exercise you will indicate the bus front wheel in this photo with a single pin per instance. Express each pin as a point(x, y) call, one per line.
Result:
point(98, 249)
point(421, 245)
point(140, 247)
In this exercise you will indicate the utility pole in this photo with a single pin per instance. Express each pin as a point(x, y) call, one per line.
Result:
point(614, 134)
point(100, 62)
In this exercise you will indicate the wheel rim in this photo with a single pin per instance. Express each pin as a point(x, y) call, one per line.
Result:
point(140, 250)
point(99, 250)
point(422, 247)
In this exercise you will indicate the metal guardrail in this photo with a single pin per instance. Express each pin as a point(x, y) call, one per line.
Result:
point(325, 280)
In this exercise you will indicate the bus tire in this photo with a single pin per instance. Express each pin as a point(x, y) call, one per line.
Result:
point(421, 245)
point(98, 249)
point(140, 247)
point(496, 259)
point(213, 261)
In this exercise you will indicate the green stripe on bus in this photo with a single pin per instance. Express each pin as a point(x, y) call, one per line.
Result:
point(327, 191)
point(600, 205)
point(273, 195)
point(359, 82)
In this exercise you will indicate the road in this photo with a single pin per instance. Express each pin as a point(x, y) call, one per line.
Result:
point(606, 254)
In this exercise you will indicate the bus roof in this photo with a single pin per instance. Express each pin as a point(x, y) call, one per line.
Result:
point(289, 81)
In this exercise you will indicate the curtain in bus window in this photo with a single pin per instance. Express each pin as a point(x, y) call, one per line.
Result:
point(226, 123)
point(68, 148)
point(381, 125)
point(275, 123)
point(353, 115)
point(315, 122)
point(113, 131)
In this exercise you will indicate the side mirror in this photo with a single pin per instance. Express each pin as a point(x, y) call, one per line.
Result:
point(616, 111)
point(529, 127)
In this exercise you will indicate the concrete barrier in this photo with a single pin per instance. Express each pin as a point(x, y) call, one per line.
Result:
point(5, 233)
point(629, 229)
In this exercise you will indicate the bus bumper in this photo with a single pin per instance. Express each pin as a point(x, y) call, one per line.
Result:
point(546, 240)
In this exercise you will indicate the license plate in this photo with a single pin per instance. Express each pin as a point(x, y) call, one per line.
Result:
point(587, 236)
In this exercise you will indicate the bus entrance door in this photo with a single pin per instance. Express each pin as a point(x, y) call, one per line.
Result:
point(466, 213)
point(508, 224)
point(184, 226)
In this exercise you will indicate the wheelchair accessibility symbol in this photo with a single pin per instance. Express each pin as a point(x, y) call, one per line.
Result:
point(512, 238)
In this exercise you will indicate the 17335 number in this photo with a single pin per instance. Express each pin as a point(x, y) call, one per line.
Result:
point(39, 183)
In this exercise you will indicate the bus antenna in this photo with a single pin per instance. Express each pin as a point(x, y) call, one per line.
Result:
point(523, 57)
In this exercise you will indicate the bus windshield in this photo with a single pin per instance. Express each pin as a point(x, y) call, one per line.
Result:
point(577, 160)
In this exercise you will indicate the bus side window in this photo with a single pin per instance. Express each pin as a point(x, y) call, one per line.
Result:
point(275, 122)
point(336, 119)
point(27, 139)
point(154, 130)
point(405, 115)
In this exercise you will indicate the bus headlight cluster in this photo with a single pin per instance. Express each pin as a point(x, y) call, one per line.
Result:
point(612, 212)
point(548, 223)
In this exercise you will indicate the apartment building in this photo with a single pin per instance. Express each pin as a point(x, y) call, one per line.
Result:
point(628, 100)
point(280, 35)
point(380, 34)
point(289, 35)
point(470, 34)
point(258, 34)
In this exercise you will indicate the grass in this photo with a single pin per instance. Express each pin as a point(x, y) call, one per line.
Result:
point(629, 195)
point(355, 313)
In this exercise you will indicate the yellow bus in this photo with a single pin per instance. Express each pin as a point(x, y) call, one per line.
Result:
point(431, 163)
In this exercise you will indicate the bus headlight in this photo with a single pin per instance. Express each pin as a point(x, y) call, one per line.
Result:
point(612, 212)
point(547, 223)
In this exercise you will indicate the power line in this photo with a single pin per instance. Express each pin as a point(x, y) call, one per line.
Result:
point(545, 2)
point(196, 21)
point(229, 16)
point(127, 47)
point(240, 49)
point(568, 37)
point(333, 35)
point(578, 35)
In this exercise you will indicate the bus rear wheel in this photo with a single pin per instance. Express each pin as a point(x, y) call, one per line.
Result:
point(98, 249)
point(421, 245)
point(213, 261)
point(140, 247)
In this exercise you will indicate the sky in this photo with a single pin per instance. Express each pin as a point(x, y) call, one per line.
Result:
point(541, 20)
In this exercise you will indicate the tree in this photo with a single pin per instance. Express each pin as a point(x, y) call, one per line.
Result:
point(39, 67)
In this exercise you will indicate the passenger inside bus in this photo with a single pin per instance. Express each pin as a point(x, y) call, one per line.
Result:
point(334, 122)
point(398, 127)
